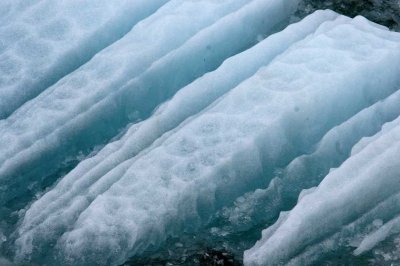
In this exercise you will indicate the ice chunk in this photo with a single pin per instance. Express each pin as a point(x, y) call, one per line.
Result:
point(56, 210)
point(371, 240)
point(233, 146)
point(42, 41)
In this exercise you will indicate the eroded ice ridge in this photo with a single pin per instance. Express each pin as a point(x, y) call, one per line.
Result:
point(252, 126)
point(126, 81)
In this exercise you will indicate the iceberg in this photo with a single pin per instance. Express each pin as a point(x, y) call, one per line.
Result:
point(170, 131)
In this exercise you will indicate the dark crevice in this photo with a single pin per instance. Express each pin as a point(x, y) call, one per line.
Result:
point(384, 12)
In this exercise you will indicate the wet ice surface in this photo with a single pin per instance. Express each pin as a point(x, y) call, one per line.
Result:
point(184, 137)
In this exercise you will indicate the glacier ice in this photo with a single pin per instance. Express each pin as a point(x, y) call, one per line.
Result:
point(167, 128)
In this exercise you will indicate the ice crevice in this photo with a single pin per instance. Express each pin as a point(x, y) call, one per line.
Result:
point(191, 121)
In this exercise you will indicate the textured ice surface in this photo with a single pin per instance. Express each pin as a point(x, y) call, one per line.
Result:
point(190, 125)
point(231, 147)
point(42, 41)
point(52, 213)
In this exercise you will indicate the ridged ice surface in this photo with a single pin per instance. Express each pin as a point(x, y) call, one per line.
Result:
point(131, 131)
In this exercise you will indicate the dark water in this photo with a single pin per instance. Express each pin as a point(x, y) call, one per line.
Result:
point(384, 12)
